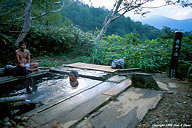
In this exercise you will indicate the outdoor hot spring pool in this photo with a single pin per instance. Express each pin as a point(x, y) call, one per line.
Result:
point(46, 88)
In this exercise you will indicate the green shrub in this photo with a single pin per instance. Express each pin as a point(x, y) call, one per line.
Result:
point(46, 40)
point(47, 63)
point(150, 56)
point(184, 69)
point(59, 40)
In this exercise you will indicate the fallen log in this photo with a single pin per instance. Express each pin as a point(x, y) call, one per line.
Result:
point(12, 99)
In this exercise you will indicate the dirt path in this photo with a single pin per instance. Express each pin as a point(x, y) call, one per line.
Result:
point(175, 109)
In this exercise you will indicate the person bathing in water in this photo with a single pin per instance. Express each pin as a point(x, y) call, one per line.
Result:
point(73, 75)
point(23, 57)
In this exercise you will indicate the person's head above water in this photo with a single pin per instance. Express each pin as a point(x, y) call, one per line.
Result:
point(73, 75)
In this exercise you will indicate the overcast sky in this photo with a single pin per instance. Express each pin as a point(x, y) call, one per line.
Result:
point(173, 11)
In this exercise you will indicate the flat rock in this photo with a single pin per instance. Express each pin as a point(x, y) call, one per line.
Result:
point(144, 80)
point(172, 85)
point(163, 86)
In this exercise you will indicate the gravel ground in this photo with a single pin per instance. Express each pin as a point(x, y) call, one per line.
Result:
point(175, 108)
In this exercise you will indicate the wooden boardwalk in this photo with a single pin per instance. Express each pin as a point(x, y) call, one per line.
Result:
point(110, 103)
point(7, 79)
point(126, 111)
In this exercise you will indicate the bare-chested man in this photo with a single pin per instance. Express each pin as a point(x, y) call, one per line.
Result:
point(23, 57)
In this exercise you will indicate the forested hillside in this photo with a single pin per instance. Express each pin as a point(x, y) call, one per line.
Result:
point(91, 19)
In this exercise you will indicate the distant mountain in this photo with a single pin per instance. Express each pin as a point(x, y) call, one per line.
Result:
point(160, 21)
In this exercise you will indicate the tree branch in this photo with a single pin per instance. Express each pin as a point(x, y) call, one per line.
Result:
point(156, 6)
point(8, 12)
point(127, 10)
point(117, 7)
point(50, 10)
point(106, 18)
point(118, 16)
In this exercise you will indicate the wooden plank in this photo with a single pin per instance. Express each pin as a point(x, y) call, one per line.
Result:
point(118, 88)
point(92, 74)
point(81, 112)
point(126, 73)
point(129, 70)
point(91, 66)
point(127, 112)
point(7, 79)
point(12, 99)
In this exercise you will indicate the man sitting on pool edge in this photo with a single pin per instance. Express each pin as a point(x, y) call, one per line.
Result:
point(23, 57)
point(73, 75)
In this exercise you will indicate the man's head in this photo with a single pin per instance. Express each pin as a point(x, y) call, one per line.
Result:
point(22, 45)
point(73, 75)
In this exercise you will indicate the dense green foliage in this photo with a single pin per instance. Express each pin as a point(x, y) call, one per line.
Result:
point(55, 34)
point(150, 56)
point(46, 40)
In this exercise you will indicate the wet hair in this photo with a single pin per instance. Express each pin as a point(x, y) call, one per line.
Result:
point(22, 42)
point(75, 73)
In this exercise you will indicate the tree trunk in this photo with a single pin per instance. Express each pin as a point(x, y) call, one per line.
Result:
point(27, 22)
point(109, 19)
point(103, 30)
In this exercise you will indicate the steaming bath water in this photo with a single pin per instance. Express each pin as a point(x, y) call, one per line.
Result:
point(47, 88)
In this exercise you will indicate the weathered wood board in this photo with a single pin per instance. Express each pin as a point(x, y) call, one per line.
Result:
point(118, 88)
point(127, 112)
point(82, 111)
point(91, 66)
point(7, 79)
point(98, 75)
point(129, 70)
